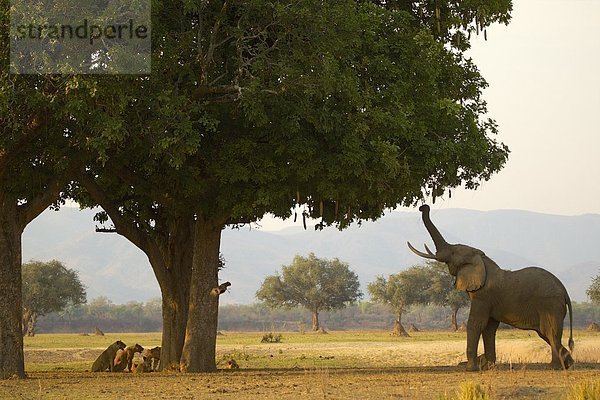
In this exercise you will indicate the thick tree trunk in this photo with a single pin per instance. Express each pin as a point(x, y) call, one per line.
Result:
point(11, 309)
point(315, 320)
point(454, 323)
point(174, 315)
point(173, 270)
point(199, 349)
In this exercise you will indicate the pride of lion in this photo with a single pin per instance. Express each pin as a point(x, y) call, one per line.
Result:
point(119, 357)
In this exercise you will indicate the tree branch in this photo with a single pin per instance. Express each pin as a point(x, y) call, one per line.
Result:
point(105, 230)
point(122, 227)
point(35, 206)
point(125, 228)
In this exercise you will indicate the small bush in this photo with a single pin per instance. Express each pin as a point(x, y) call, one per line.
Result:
point(270, 338)
point(589, 390)
point(469, 391)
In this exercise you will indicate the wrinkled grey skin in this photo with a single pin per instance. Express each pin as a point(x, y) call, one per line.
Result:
point(530, 298)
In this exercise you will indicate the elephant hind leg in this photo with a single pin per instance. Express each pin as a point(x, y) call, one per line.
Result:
point(555, 363)
point(561, 357)
point(566, 357)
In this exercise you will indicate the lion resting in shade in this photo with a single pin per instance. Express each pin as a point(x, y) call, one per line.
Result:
point(231, 364)
point(106, 359)
point(151, 358)
point(124, 358)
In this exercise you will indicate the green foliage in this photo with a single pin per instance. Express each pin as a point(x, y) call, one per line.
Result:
point(345, 109)
point(427, 284)
point(146, 317)
point(585, 313)
point(442, 289)
point(593, 292)
point(403, 289)
point(101, 312)
point(314, 283)
point(50, 286)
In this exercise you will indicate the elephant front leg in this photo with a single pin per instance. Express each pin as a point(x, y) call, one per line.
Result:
point(489, 344)
point(478, 319)
point(473, 335)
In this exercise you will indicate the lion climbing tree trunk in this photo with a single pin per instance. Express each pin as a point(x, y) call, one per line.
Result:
point(11, 312)
point(199, 349)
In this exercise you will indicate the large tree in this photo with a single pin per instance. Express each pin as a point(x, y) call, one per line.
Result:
point(48, 287)
point(345, 109)
point(401, 290)
point(316, 284)
point(35, 163)
point(33, 169)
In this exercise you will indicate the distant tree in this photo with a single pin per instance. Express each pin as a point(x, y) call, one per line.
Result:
point(456, 300)
point(402, 290)
point(48, 287)
point(314, 283)
point(442, 290)
point(593, 292)
point(99, 307)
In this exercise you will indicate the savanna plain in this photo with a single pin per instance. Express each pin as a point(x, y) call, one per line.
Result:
point(336, 365)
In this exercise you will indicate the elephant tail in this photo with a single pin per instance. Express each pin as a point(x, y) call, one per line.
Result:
point(571, 342)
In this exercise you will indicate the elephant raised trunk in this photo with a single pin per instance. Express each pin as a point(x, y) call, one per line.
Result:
point(441, 245)
point(437, 237)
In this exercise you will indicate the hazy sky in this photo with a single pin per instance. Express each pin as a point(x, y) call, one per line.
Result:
point(543, 71)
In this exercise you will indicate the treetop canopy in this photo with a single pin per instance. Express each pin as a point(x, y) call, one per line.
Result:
point(346, 108)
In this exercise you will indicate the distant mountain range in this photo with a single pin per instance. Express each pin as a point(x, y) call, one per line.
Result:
point(568, 246)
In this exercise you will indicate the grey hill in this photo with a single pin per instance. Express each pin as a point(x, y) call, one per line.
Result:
point(111, 266)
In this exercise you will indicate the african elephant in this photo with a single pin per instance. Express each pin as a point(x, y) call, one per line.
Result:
point(530, 298)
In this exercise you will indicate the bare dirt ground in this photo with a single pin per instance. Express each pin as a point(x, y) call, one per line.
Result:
point(405, 369)
point(530, 381)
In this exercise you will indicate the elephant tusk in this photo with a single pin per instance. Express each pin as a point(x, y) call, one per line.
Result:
point(429, 251)
point(420, 253)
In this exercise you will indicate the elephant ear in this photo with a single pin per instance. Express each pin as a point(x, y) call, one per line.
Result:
point(471, 275)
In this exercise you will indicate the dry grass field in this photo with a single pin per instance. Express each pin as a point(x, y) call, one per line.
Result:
point(338, 365)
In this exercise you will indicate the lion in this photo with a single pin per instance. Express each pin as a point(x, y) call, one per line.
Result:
point(124, 358)
point(219, 290)
point(105, 360)
point(139, 368)
point(231, 364)
point(151, 358)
